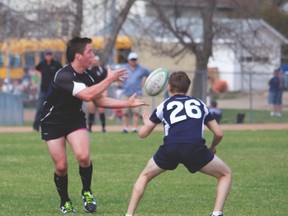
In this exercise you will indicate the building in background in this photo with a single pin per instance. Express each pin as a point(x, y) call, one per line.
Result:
point(245, 51)
point(234, 59)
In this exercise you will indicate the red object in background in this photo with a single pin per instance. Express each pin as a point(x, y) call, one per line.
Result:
point(219, 86)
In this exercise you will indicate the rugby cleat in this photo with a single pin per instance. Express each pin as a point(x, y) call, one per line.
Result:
point(67, 207)
point(89, 202)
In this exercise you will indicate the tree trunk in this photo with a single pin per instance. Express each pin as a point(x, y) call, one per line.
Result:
point(203, 51)
point(110, 40)
point(78, 18)
point(199, 87)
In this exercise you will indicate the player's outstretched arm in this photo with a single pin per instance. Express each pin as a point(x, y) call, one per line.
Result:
point(218, 134)
point(96, 90)
point(108, 102)
point(148, 126)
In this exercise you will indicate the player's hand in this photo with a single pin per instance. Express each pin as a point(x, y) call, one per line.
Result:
point(146, 116)
point(116, 75)
point(134, 102)
point(213, 149)
point(148, 126)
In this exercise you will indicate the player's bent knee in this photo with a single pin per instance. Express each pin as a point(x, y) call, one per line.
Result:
point(83, 160)
point(61, 168)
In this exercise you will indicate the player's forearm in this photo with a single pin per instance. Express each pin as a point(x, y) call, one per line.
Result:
point(216, 140)
point(217, 132)
point(146, 129)
point(107, 102)
point(94, 91)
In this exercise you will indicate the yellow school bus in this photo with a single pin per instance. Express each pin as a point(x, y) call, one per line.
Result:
point(26, 53)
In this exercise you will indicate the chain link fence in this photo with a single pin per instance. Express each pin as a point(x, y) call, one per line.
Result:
point(239, 91)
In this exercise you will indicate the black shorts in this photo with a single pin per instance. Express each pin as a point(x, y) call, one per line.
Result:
point(193, 158)
point(54, 131)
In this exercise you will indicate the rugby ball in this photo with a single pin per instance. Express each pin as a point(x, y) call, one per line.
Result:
point(156, 82)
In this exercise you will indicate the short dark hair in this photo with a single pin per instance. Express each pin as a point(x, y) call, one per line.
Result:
point(214, 103)
point(179, 82)
point(76, 45)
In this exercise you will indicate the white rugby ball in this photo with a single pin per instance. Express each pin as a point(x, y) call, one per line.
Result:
point(156, 82)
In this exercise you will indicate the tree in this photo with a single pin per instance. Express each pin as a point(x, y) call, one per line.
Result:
point(194, 26)
point(118, 21)
point(202, 50)
point(273, 14)
point(78, 21)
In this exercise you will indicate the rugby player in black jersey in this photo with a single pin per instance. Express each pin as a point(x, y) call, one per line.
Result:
point(62, 118)
point(183, 118)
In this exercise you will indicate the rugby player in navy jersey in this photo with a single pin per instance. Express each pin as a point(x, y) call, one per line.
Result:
point(183, 118)
point(62, 118)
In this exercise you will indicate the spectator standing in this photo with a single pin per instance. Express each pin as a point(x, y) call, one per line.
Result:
point(183, 117)
point(133, 84)
point(46, 70)
point(7, 87)
point(215, 111)
point(276, 87)
point(99, 73)
point(27, 86)
point(63, 120)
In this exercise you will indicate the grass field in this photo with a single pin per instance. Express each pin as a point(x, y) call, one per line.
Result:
point(258, 160)
point(252, 116)
point(229, 117)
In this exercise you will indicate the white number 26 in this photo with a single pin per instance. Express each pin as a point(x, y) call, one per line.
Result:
point(191, 108)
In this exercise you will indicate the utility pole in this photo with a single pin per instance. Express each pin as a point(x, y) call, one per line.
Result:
point(7, 36)
point(112, 24)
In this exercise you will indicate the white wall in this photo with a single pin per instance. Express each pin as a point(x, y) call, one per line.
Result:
point(242, 75)
point(224, 59)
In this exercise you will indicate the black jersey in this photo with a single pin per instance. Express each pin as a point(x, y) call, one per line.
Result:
point(98, 73)
point(61, 105)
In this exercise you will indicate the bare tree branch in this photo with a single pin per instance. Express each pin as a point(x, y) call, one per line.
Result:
point(119, 20)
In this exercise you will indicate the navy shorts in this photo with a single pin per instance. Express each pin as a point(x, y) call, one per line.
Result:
point(275, 98)
point(192, 157)
point(54, 131)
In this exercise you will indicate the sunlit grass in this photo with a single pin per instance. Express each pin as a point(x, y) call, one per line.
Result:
point(258, 160)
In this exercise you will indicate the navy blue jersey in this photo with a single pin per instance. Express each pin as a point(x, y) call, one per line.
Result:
point(61, 105)
point(183, 118)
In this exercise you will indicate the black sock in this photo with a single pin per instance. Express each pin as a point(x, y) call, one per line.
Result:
point(61, 183)
point(91, 118)
point(86, 177)
point(103, 120)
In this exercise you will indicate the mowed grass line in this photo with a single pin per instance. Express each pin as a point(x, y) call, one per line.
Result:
point(258, 160)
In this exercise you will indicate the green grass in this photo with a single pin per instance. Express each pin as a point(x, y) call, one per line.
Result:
point(258, 160)
point(229, 117)
point(253, 116)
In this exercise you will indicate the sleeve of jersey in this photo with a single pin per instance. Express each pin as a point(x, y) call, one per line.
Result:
point(65, 81)
point(208, 116)
point(157, 114)
point(39, 66)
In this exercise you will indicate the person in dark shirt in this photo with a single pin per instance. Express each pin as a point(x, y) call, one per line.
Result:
point(276, 87)
point(63, 120)
point(184, 118)
point(46, 70)
point(215, 111)
point(99, 73)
